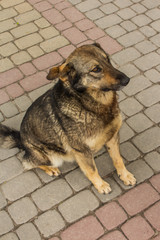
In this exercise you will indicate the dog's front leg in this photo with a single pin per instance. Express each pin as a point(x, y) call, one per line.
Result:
point(123, 173)
point(87, 165)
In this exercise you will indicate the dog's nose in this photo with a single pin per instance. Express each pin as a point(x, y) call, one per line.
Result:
point(124, 80)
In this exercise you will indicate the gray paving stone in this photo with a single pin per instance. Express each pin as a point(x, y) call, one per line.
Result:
point(130, 106)
point(153, 13)
point(14, 122)
point(3, 201)
point(139, 122)
point(153, 159)
point(104, 164)
point(49, 223)
point(125, 133)
point(148, 61)
point(9, 169)
point(148, 140)
point(20, 186)
point(147, 31)
point(22, 210)
point(131, 38)
point(136, 84)
point(152, 75)
point(145, 47)
point(28, 231)
point(128, 25)
point(9, 109)
point(6, 225)
point(108, 21)
point(149, 96)
point(78, 206)
point(129, 152)
point(150, 4)
point(153, 113)
point(94, 14)
point(155, 39)
point(7, 153)
point(138, 8)
point(67, 167)
point(116, 191)
point(44, 176)
point(1, 117)
point(126, 13)
point(140, 170)
point(77, 180)
point(115, 31)
point(51, 194)
point(124, 4)
point(9, 236)
point(130, 70)
point(108, 8)
point(88, 5)
point(38, 92)
point(23, 102)
point(141, 20)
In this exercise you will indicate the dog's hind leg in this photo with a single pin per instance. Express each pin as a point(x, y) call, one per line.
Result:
point(123, 173)
point(87, 165)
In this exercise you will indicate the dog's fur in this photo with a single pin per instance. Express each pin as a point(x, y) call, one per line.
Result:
point(75, 118)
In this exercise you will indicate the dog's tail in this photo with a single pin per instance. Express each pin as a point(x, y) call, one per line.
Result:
point(10, 138)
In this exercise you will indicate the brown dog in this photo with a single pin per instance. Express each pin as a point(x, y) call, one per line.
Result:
point(75, 118)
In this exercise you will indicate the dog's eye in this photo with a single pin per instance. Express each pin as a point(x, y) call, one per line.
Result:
point(96, 69)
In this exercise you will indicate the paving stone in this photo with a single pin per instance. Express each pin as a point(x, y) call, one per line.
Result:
point(15, 121)
point(27, 69)
point(3, 201)
point(95, 33)
point(44, 176)
point(141, 20)
point(130, 70)
point(148, 61)
point(51, 194)
point(139, 122)
point(7, 153)
point(22, 210)
point(153, 113)
point(62, 5)
point(68, 166)
point(136, 84)
point(9, 169)
point(126, 3)
point(8, 49)
point(108, 8)
point(147, 31)
point(152, 215)
point(63, 25)
point(94, 14)
point(88, 5)
point(78, 206)
point(23, 7)
point(74, 35)
point(20, 186)
point(155, 181)
point(35, 51)
point(126, 13)
point(53, 16)
point(23, 102)
point(6, 64)
point(132, 230)
point(157, 238)
point(153, 13)
point(28, 40)
point(109, 45)
point(115, 31)
point(24, 30)
point(128, 25)
point(108, 21)
point(153, 159)
point(7, 25)
point(111, 215)
point(138, 8)
point(153, 75)
point(14, 90)
point(86, 229)
point(28, 231)
point(9, 236)
point(27, 17)
point(72, 14)
point(149, 4)
point(54, 43)
point(20, 57)
point(49, 32)
point(131, 38)
point(6, 225)
point(42, 22)
point(129, 152)
point(125, 133)
point(38, 92)
point(8, 3)
point(125, 56)
point(49, 223)
point(10, 76)
point(5, 37)
point(1, 118)
point(9, 109)
point(113, 235)
point(145, 47)
point(130, 106)
point(66, 51)
point(7, 13)
point(77, 180)
point(138, 199)
point(149, 96)
point(43, 6)
point(104, 164)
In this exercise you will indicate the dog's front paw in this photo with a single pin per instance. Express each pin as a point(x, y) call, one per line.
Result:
point(128, 178)
point(103, 188)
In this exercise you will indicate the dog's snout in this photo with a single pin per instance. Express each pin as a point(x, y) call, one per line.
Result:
point(123, 79)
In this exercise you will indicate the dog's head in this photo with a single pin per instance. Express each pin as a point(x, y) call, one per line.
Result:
point(89, 67)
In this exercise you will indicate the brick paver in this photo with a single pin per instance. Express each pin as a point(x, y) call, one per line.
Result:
point(38, 34)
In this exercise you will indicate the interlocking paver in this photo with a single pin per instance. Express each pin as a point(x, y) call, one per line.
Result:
point(113, 235)
point(88, 5)
point(9, 109)
point(7, 153)
point(9, 236)
point(134, 108)
point(153, 159)
point(149, 96)
point(28, 231)
point(3, 201)
point(23, 103)
point(153, 113)
point(152, 215)
point(54, 43)
point(27, 17)
point(125, 133)
point(14, 90)
point(147, 61)
point(153, 75)
point(27, 69)
point(129, 152)
point(131, 38)
point(23, 7)
point(155, 180)
point(125, 56)
point(108, 21)
point(20, 57)
point(139, 122)
point(6, 225)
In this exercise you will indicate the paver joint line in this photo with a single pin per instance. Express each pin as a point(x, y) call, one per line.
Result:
point(38, 34)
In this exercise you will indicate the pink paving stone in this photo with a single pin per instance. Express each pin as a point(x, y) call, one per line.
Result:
point(9, 77)
point(27, 68)
point(74, 35)
point(86, 229)
point(95, 33)
point(153, 215)
point(3, 96)
point(55, 1)
point(137, 228)
point(43, 6)
point(63, 25)
point(55, 238)
point(14, 90)
point(156, 238)
point(62, 5)
point(111, 215)
point(85, 43)
point(155, 181)
point(85, 24)
point(73, 14)
point(138, 199)
point(66, 51)
point(34, 81)
point(109, 45)
point(33, 1)
point(47, 60)
point(116, 235)
point(53, 16)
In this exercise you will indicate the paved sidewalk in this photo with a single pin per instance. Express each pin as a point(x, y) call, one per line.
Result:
point(37, 34)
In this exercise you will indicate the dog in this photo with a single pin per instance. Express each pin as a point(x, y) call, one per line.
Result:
point(75, 118)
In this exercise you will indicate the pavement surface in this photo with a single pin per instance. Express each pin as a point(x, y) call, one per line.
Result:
point(37, 34)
